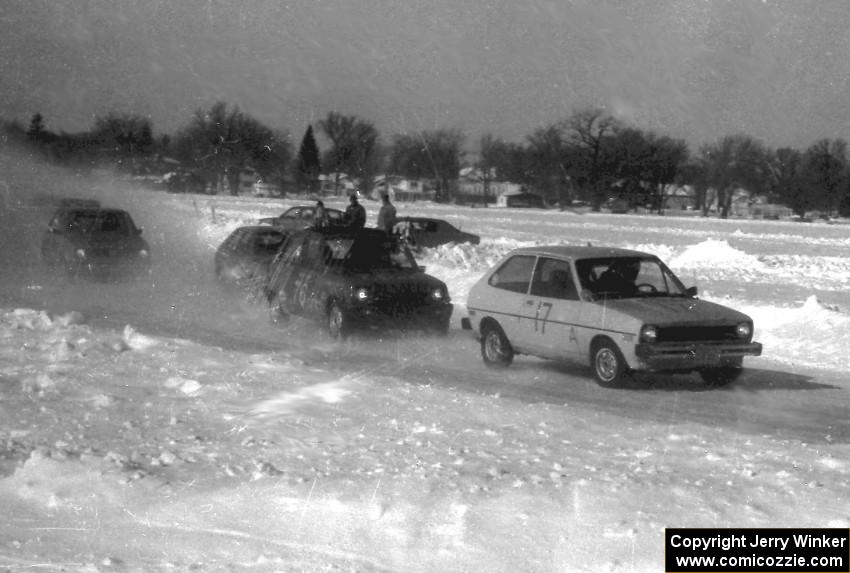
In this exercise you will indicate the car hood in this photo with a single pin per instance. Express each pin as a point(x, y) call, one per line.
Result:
point(675, 311)
point(116, 241)
point(395, 279)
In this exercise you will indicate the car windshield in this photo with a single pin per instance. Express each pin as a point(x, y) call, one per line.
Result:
point(628, 277)
point(371, 253)
point(100, 222)
point(267, 242)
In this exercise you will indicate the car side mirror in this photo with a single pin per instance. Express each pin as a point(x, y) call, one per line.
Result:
point(421, 268)
point(587, 295)
point(691, 291)
point(139, 231)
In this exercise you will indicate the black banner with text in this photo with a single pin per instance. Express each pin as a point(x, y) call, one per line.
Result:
point(757, 550)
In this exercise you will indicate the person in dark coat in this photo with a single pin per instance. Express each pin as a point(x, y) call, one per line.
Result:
point(355, 213)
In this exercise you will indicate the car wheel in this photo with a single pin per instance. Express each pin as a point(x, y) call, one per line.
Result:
point(495, 348)
point(721, 375)
point(337, 322)
point(609, 366)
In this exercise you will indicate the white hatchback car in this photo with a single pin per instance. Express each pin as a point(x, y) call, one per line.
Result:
point(617, 310)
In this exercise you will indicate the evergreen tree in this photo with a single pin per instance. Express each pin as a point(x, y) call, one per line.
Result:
point(308, 167)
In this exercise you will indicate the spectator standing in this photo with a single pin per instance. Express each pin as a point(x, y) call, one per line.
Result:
point(355, 213)
point(387, 214)
point(320, 216)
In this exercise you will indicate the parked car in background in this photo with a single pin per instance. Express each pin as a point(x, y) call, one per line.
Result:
point(618, 310)
point(95, 242)
point(301, 217)
point(243, 258)
point(421, 232)
point(356, 278)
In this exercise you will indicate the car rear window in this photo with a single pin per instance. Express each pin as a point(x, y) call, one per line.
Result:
point(514, 275)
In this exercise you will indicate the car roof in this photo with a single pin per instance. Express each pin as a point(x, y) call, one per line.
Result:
point(346, 232)
point(311, 207)
point(580, 251)
point(261, 229)
point(93, 210)
point(418, 219)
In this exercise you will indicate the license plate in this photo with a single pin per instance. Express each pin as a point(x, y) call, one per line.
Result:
point(706, 355)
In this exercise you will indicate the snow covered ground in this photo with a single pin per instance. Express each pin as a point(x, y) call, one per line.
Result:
point(168, 426)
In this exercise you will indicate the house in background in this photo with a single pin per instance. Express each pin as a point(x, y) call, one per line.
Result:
point(336, 184)
point(476, 186)
point(679, 198)
point(520, 198)
point(401, 189)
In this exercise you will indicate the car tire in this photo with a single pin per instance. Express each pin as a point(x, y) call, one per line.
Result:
point(609, 366)
point(337, 321)
point(496, 350)
point(720, 376)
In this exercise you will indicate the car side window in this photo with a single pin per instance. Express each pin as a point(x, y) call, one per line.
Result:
point(553, 278)
point(514, 275)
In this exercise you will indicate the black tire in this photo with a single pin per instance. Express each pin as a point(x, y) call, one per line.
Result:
point(609, 366)
point(496, 350)
point(720, 376)
point(337, 321)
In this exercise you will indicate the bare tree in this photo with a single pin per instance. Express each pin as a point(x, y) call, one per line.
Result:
point(589, 130)
point(221, 142)
point(354, 148)
point(735, 162)
point(827, 169)
point(429, 155)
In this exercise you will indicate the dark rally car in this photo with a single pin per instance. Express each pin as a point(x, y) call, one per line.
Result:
point(243, 258)
point(95, 242)
point(420, 232)
point(301, 217)
point(346, 278)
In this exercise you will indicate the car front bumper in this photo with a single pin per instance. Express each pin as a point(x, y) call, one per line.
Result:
point(113, 269)
point(690, 356)
point(426, 316)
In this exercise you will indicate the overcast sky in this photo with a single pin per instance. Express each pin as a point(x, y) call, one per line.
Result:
point(696, 69)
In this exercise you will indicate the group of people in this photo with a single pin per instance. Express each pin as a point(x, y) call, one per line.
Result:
point(355, 214)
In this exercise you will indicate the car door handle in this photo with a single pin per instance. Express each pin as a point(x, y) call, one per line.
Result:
point(530, 302)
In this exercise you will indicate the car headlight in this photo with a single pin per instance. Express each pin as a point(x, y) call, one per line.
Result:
point(361, 294)
point(648, 333)
point(81, 253)
point(438, 294)
point(744, 330)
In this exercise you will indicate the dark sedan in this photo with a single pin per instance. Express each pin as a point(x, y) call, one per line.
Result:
point(243, 258)
point(95, 242)
point(301, 217)
point(421, 232)
point(346, 278)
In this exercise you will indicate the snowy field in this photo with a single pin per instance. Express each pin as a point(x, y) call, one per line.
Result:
point(166, 425)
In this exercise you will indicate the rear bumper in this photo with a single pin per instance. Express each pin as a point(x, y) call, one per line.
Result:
point(690, 356)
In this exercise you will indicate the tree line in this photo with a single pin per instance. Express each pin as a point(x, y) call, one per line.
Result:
point(589, 156)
